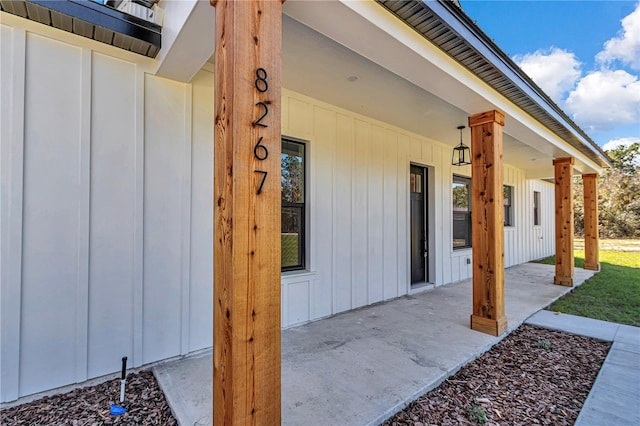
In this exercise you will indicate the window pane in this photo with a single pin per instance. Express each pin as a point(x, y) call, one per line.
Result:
point(292, 163)
point(507, 195)
point(508, 205)
point(536, 208)
point(292, 238)
point(461, 195)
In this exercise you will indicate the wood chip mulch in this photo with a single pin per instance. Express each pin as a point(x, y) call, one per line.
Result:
point(532, 377)
point(144, 401)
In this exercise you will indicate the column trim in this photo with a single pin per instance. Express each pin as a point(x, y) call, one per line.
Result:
point(487, 214)
point(564, 225)
point(591, 231)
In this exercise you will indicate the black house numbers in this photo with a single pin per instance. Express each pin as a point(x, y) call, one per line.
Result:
point(260, 151)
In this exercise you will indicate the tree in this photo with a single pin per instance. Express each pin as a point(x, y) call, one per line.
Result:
point(292, 178)
point(619, 195)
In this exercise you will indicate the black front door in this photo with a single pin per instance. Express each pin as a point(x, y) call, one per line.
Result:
point(417, 188)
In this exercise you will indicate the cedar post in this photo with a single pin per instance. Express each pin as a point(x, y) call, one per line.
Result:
point(487, 214)
point(246, 355)
point(564, 221)
point(591, 235)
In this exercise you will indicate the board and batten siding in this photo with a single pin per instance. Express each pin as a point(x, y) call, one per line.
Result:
point(358, 211)
point(106, 211)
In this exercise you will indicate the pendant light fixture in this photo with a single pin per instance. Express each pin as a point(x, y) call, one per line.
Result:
point(461, 153)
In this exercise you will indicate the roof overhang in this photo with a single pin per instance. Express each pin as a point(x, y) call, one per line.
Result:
point(388, 41)
point(445, 24)
point(91, 20)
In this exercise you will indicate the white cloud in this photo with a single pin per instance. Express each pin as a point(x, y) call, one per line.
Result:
point(604, 99)
point(625, 47)
point(614, 143)
point(554, 70)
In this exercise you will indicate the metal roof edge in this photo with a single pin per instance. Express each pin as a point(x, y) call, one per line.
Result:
point(65, 14)
point(458, 11)
point(453, 16)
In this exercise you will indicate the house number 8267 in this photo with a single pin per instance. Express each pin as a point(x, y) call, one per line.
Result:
point(260, 151)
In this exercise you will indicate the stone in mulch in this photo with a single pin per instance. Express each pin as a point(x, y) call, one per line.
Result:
point(532, 377)
point(145, 404)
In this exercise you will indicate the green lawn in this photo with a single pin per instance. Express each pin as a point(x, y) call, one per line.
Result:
point(613, 294)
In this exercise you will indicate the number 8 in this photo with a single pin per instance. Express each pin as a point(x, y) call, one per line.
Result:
point(261, 80)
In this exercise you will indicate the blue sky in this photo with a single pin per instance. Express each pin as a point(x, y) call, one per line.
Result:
point(584, 54)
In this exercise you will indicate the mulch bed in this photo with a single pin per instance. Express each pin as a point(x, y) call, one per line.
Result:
point(144, 401)
point(533, 376)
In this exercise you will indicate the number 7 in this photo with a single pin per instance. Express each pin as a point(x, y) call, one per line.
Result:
point(264, 177)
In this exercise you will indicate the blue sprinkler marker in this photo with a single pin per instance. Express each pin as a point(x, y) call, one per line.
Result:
point(116, 410)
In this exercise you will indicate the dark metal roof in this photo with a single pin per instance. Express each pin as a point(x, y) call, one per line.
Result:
point(444, 24)
point(92, 20)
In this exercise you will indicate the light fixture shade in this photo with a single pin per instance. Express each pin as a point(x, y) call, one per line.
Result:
point(461, 153)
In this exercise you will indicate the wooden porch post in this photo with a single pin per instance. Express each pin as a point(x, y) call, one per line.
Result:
point(246, 356)
point(564, 221)
point(487, 214)
point(591, 234)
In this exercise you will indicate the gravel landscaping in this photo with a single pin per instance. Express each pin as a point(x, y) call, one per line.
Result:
point(533, 376)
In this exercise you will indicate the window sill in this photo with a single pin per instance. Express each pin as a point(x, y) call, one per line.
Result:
point(297, 273)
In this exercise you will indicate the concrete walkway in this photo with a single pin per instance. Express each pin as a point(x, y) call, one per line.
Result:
point(615, 396)
point(360, 367)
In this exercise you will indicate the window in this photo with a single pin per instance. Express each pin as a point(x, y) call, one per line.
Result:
point(536, 208)
point(508, 205)
point(292, 162)
point(461, 212)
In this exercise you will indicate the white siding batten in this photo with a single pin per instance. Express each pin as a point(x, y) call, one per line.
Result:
point(137, 290)
point(12, 86)
point(84, 183)
point(185, 252)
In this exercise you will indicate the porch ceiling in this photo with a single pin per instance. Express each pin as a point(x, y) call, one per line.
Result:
point(403, 80)
point(321, 68)
point(410, 83)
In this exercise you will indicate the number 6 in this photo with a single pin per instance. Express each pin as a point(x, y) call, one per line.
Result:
point(265, 151)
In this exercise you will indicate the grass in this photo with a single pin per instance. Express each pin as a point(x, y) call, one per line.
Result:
point(613, 294)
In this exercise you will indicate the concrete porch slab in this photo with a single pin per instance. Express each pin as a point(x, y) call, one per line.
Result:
point(361, 366)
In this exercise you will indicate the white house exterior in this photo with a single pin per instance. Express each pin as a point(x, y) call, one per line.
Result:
point(107, 180)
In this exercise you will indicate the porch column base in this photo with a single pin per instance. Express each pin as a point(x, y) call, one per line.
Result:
point(489, 326)
point(592, 266)
point(565, 281)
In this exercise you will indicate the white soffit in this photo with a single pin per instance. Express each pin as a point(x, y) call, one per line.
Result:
point(188, 38)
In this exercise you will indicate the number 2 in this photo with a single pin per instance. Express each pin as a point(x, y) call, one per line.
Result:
point(266, 111)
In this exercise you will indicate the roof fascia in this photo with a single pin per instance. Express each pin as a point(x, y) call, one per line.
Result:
point(459, 22)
